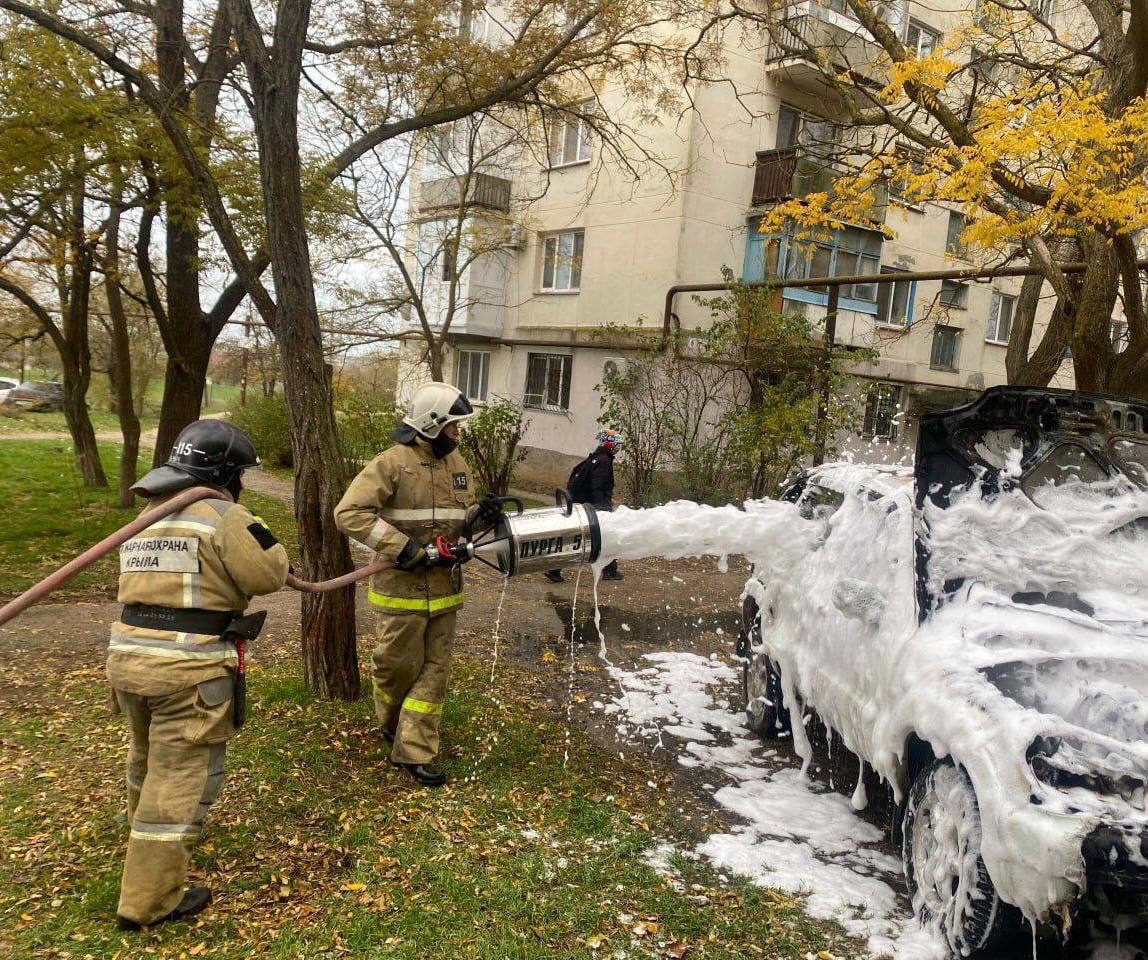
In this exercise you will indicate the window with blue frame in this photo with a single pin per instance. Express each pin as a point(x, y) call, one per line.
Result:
point(896, 301)
point(847, 252)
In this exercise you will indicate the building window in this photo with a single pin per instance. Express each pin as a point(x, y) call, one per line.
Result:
point(548, 381)
point(911, 163)
point(562, 261)
point(847, 252)
point(472, 374)
point(999, 327)
point(953, 242)
point(797, 129)
point(921, 40)
point(881, 411)
point(570, 138)
point(954, 294)
point(895, 301)
point(944, 355)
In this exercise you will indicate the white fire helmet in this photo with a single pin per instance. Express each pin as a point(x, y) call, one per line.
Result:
point(433, 406)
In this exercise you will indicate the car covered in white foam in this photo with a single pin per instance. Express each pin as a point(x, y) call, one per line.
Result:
point(975, 631)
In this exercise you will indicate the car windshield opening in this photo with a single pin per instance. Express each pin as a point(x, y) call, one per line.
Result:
point(1067, 465)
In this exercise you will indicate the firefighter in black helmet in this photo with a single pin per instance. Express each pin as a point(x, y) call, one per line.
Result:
point(185, 583)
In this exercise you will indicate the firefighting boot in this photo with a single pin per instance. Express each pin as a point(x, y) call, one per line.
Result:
point(195, 901)
point(423, 773)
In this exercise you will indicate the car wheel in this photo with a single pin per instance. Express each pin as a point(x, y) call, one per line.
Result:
point(948, 882)
point(765, 714)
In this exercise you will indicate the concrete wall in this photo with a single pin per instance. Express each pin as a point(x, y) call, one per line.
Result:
point(641, 238)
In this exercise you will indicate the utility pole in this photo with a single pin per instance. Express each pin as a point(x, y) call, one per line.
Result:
point(826, 370)
point(243, 376)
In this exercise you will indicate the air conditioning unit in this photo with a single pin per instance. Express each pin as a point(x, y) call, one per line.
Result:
point(516, 236)
point(613, 367)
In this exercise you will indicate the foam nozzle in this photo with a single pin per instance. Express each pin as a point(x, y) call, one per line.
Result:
point(539, 540)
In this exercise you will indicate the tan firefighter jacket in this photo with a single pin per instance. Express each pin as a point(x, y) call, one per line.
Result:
point(213, 555)
point(405, 493)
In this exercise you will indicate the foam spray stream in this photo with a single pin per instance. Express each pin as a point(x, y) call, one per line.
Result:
point(573, 666)
point(496, 638)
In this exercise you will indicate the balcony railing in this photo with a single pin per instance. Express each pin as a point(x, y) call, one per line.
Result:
point(482, 190)
point(821, 37)
point(794, 172)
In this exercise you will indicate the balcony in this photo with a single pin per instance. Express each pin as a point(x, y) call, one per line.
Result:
point(784, 174)
point(795, 172)
point(482, 190)
point(811, 40)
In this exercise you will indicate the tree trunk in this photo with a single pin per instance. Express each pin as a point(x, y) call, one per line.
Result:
point(1093, 358)
point(330, 659)
point(434, 357)
point(79, 423)
point(185, 329)
point(184, 381)
point(77, 358)
point(120, 368)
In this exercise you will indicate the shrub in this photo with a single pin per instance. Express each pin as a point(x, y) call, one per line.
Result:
point(366, 416)
point(265, 420)
point(730, 417)
point(489, 441)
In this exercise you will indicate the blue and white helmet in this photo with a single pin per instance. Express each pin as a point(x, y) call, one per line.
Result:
point(610, 438)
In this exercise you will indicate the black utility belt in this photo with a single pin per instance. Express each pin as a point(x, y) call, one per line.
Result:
point(182, 619)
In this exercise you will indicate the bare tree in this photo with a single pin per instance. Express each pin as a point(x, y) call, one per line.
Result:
point(375, 73)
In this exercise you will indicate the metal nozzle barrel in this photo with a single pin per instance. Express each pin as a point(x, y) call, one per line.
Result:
point(544, 539)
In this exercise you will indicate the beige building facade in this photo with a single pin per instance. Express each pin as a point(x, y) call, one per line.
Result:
point(598, 251)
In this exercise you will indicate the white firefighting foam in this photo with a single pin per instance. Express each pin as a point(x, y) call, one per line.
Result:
point(983, 679)
point(797, 837)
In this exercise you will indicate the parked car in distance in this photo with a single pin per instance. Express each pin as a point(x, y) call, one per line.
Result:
point(975, 631)
point(39, 396)
point(6, 385)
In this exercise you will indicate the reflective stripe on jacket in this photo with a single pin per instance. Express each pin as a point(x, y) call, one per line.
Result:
point(204, 557)
point(406, 493)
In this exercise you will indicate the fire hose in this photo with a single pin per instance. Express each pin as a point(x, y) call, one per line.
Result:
point(526, 541)
point(184, 499)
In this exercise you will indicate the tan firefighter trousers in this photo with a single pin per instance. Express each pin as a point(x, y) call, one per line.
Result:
point(175, 772)
point(410, 669)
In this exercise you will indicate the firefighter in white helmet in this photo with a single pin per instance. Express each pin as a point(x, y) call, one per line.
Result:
point(412, 497)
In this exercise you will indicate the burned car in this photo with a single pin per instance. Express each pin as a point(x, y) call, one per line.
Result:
point(975, 631)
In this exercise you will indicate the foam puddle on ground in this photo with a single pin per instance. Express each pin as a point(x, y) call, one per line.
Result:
point(797, 837)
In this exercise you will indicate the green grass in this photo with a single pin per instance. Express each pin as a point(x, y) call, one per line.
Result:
point(47, 516)
point(317, 848)
point(220, 398)
point(27, 422)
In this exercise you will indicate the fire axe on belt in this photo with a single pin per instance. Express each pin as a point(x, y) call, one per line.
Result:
point(524, 541)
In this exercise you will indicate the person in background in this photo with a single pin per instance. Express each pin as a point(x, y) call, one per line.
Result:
point(173, 660)
point(592, 482)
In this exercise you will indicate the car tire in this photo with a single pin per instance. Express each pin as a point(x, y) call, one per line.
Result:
point(949, 884)
point(765, 713)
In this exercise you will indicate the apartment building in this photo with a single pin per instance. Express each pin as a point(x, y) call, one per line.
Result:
point(598, 251)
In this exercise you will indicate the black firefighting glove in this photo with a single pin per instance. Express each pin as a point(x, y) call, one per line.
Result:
point(411, 557)
point(489, 510)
